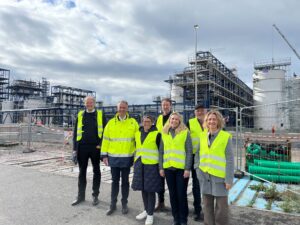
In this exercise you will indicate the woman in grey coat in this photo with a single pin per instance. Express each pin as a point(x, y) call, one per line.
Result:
point(214, 163)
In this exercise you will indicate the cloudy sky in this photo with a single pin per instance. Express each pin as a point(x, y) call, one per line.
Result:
point(125, 49)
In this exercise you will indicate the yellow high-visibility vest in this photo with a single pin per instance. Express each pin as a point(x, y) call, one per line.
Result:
point(159, 123)
point(174, 150)
point(195, 130)
point(80, 124)
point(213, 159)
point(118, 137)
point(148, 150)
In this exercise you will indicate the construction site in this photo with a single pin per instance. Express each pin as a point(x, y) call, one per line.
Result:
point(38, 119)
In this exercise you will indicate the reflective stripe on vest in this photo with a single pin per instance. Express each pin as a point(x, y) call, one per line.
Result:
point(148, 150)
point(159, 123)
point(195, 130)
point(213, 159)
point(118, 137)
point(174, 150)
point(80, 124)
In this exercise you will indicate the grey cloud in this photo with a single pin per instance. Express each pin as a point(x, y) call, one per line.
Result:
point(20, 28)
point(241, 30)
point(146, 71)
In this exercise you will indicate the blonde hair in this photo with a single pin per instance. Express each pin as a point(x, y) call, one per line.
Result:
point(180, 128)
point(220, 119)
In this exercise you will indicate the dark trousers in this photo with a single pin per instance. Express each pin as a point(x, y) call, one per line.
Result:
point(196, 191)
point(161, 194)
point(215, 210)
point(84, 153)
point(116, 173)
point(149, 202)
point(177, 185)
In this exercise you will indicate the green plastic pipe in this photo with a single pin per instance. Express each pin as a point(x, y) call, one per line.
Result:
point(276, 164)
point(275, 171)
point(276, 178)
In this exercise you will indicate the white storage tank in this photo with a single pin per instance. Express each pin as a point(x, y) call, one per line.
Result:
point(177, 93)
point(269, 88)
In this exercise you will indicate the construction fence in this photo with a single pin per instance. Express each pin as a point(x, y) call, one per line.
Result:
point(30, 128)
point(268, 146)
point(262, 132)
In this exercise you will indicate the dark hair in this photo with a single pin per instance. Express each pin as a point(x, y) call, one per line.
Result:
point(199, 106)
point(148, 117)
point(166, 100)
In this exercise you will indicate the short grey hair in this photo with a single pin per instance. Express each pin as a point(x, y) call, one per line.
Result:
point(122, 102)
point(89, 97)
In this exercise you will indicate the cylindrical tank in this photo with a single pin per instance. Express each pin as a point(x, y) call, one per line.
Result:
point(7, 117)
point(294, 109)
point(177, 93)
point(269, 88)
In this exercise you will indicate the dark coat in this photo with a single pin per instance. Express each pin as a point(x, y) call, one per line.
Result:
point(146, 177)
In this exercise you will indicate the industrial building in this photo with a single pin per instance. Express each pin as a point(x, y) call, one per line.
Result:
point(217, 86)
point(4, 82)
point(58, 107)
point(269, 86)
point(69, 97)
point(273, 91)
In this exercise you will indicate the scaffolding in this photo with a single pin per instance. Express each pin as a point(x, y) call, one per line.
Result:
point(21, 90)
point(217, 86)
point(4, 83)
point(69, 97)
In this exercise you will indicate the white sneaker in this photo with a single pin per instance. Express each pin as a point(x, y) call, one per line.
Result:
point(149, 220)
point(142, 215)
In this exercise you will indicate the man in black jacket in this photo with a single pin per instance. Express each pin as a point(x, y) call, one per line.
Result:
point(166, 108)
point(87, 138)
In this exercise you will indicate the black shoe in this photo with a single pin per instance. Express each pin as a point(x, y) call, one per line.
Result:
point(124, 209)
point(176, 223)
point(111, 210)
point(95, 200)
point(77, 201)
point(183, 223)
point(199, 217)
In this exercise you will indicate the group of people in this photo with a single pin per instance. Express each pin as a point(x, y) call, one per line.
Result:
point(165, 150)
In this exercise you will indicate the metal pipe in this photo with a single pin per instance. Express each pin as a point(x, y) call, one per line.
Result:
point(196, 88)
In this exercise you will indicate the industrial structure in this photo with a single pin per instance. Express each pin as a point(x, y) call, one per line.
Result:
point(276, 94)
point(21, 90)
point(4, 83)
point(217, 86)
point(58, 107)
point(69, 97)
point(269, 87)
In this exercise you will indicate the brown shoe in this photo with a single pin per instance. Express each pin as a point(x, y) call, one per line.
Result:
point(160, 207)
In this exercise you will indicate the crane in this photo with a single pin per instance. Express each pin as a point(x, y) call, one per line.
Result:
point(284, 38)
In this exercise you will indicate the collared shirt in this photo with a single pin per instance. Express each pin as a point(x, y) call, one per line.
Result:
point(121, 119)
point(90, 111)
